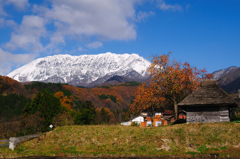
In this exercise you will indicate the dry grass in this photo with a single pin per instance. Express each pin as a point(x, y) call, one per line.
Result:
point(184, 139)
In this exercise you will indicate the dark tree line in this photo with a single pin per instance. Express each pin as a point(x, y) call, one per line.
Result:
point(11, 105)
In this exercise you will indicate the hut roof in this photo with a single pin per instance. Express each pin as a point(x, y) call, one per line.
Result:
point(209, 93)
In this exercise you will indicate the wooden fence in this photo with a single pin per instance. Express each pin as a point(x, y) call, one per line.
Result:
point(15, 141)
point(6, 142)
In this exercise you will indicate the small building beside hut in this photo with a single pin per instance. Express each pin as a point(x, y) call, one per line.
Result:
point(209, 103)
point(157, 120)
point(137, 120)
point(145, 119)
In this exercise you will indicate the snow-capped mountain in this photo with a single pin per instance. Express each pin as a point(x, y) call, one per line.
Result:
point(83, 70)
point(219, 73)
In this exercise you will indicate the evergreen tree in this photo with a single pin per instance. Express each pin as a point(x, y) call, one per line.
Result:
point(103, 114)
point(26, 110)
point(83, 117)
point(44, 107)
point(86, 115)
point(36, 102)
point(48, 109)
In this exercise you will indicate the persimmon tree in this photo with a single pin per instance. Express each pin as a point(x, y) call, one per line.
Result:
point(170, 82)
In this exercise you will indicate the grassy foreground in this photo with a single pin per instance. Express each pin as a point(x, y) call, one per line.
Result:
point(190, 140)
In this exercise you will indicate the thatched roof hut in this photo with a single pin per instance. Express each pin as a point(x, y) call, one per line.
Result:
point(209, 103)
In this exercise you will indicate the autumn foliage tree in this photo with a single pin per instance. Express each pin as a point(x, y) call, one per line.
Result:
point(104, 116)
point(170, 82)
point(65, 101)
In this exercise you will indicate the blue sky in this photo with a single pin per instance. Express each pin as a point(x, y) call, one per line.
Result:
point(204, 33)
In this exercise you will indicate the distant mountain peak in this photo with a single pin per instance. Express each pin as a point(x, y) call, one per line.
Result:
point(83, 70)
point(219, 73)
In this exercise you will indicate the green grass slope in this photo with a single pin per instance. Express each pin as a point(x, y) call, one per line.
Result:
point(188, 140)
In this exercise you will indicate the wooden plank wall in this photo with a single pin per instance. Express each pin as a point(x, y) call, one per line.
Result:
point(224, 114)
point(207, 114)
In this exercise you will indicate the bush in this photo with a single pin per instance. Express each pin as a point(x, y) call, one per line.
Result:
point(236, 115)
point(9, 129)
point(135, 124)
point(238, 121)
point(83, 117)
point(64, 119)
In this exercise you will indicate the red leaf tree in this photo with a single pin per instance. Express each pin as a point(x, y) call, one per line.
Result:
point(170, 82)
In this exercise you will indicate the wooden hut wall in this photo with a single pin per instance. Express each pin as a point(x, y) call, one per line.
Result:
point(224, 114)
point(207, 114)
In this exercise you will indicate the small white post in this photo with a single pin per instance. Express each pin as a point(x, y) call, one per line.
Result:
point(51, 126)
point(13, 142)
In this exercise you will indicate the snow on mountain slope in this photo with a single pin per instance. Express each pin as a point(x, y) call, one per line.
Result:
point(82, 70)
point(219, 73)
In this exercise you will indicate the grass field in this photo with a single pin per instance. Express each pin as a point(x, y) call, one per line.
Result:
point(197, 139)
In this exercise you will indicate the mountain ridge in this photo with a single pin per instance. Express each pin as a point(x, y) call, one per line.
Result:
point(219, 73)
point(83, 70)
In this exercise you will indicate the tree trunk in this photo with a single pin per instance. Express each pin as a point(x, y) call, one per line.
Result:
point(153, 112)
point(152, 120)
point(175, 109)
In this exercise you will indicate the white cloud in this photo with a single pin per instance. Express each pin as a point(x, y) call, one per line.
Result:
point(28, 35)
point(9, 23)
point(163, 6)
point(95, 45)
point(143, 15)
point(105, 19)
point(85, 20)
point(1, 22)
point(19, 4)
point(57, 38)
point(2, 12)
point(9, 60)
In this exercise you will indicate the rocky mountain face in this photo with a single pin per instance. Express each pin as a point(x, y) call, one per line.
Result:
point(219, 73)
point(115, 80)
point(83, 70)
point(230, 81)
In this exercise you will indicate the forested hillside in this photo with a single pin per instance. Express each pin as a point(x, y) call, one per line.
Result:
point(13, 98)
point(20, 103)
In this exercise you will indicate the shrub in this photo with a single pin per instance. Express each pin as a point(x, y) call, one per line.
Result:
point(135, 124)
point(236, 121)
